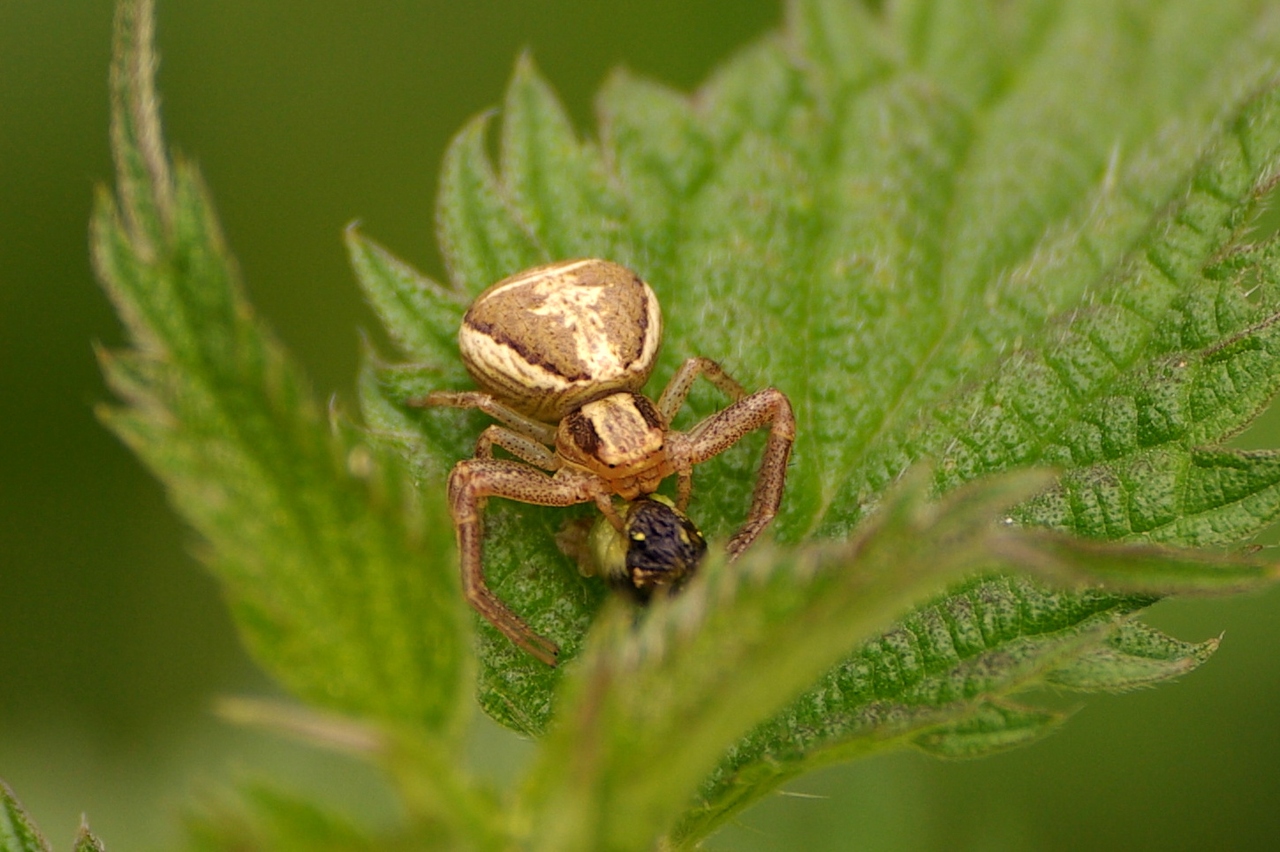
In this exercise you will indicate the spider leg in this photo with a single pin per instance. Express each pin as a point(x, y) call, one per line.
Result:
point(521, 424)
point(674, 394)
point(470, 484)
point(518, 445)
point(604, 502)
point(684, 489)
point(725, 428)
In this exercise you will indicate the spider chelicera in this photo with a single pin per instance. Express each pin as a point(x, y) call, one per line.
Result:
point(560, 353)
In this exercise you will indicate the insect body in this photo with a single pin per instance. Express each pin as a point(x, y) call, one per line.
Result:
point(560, 353)
point(657, 550)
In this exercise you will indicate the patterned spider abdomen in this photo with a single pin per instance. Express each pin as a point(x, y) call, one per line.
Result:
point(552, 338)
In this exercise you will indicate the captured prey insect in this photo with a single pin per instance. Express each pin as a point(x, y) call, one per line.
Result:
point(560, 353)
point(657, 550)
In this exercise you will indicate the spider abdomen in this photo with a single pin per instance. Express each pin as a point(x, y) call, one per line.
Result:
point(552, 338)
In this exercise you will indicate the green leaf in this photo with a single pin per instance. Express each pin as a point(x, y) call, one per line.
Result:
point(933, 670)
point(86, 841)
point(1137, 568)
point(733, 648)
point(947, 233)
point(557, 184)
point(265, 818)
point(338, 573)
point(421, 316)
point(1162, 358)
point(971, 239)
point(840, 38)
point(988, 729)
point(740, 643)
point(661, 153)
point(1198, 496)
point(991, 237)
point(443, 803)
point(481, 236)
point(17, 832)
point(1135, 655)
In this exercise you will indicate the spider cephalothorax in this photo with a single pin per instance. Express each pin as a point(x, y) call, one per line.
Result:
point(561, 353)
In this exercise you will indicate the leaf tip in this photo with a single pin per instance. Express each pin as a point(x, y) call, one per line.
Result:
point(86, 840)
point(525, 66)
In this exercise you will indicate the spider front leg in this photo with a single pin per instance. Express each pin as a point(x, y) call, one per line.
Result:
point(521, 424)
point(518, 445)
point(674, 394)
point(722, 430)
point(470, 484)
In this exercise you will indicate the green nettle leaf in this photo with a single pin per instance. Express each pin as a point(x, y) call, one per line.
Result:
point(989, 728)
point(945, 236)
point(1134, 655)
point(1002, 257)
point(17, 832)
point(990, 238)
point(338, 573)
point(702, 669)
point(271, 820)
point(480, 234)
point(87, 842)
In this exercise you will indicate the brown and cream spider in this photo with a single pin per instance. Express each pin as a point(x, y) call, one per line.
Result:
point(560, 353)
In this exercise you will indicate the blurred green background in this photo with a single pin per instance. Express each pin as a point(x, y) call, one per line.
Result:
point(305, 115)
